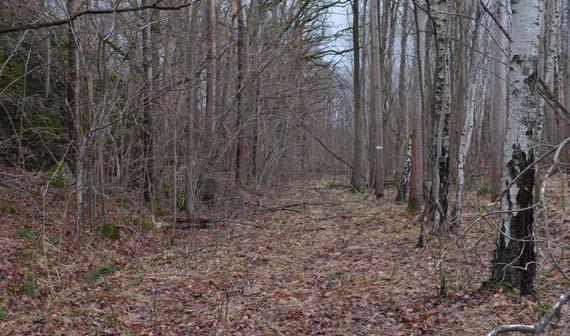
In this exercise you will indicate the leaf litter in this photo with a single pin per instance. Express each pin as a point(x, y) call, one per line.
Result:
point(342, 263)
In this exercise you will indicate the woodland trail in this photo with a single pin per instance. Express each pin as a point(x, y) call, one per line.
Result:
point(315, 259)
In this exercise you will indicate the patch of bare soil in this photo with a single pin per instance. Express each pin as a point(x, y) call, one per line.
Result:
point(313, 259)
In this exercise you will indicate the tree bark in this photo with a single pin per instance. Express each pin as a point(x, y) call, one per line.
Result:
point(440, 187)
point(356, 179)
point(514, 262)
point(417, 148)
point(376, 134)
point(240, 146)
point(499, 110)
point(75, 115)
point(147, 104)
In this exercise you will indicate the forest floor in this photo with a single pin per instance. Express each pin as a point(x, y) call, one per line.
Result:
point(311, 258)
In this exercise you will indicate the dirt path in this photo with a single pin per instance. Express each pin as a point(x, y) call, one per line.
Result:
point(331, 263)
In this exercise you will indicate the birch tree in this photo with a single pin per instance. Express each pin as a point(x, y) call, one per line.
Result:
point(440, 179)
point(514, 262)
point(473, 76)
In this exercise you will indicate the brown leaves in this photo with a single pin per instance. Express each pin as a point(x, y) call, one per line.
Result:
point(344, 264)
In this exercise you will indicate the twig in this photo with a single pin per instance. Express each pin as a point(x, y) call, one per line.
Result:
point(75, 16)
point(503, 30)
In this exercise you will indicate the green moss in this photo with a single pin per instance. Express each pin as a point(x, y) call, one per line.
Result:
point(108, 230)
point(332, 184)
point(29, 288)
point(147, 224)
point(30, 255)
point(28, 279)
point(25, 232)
point(2, 315)
point(122, 202)
point(494, 284)
point(11, 208)
point(181, 203)
point(413, 205)
point(166, 188)
point(55, 175)
point(101, 271)
point(483, 189)
point(540, 307)
point(443, 290)
point(156, 208)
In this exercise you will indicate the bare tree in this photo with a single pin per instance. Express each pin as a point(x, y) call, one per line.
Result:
point(376, 150)
point(356, 179)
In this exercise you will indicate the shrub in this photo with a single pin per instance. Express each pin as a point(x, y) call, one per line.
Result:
point(413, 205)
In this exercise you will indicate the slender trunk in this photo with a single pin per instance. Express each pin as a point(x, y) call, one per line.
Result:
point(376, 145)
point(469, 123)
point(73, 103)
point(210, 77)
point(417, 148)
point(501, 51)
point(147, 104)
point(514, 262)
point(240, 152)
point(440, 187)
point(356, 179)
point(405, 176)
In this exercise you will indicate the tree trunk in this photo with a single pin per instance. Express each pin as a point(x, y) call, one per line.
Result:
point(514, 262)
point(147, 104)
point(405, 175)
point(210, 78)
point(376, 147)
point(469, 123)
point(499, 110)
point(73, 103)
point(417, 148)
point(440, 187)
point(239, 126)
point(356, 179)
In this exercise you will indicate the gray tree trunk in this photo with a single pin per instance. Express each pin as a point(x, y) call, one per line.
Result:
point(356, 179)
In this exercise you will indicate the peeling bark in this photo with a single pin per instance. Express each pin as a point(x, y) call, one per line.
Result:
point(514, 262)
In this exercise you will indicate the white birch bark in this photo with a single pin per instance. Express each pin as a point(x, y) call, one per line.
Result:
point(514, 263)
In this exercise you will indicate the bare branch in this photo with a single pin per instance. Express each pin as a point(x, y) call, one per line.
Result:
point(77, 15)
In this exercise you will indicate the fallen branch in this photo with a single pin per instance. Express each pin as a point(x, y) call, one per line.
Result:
point(539, 327)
